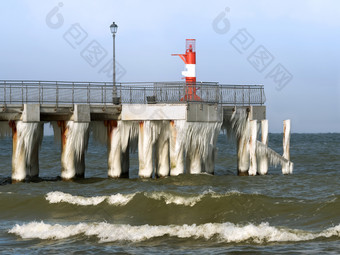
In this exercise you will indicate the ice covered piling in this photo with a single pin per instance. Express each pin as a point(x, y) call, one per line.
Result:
point(252, 147)
point(121, 136)
point(26, 138)
point(262, 160)
point(176, 137)
point(162, 150)
point(74, 136)
point(240, 126)
point(287, 167)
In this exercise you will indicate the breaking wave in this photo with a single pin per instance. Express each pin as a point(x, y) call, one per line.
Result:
point(222, 232)
point(123, 199)
point(117, 199)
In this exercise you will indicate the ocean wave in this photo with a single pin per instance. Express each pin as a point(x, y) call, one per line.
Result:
point(223, 232)
point(186, 200)
point(117, 199)
point(123, 199)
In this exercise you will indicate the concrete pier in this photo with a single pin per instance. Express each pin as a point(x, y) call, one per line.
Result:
point(154, 118)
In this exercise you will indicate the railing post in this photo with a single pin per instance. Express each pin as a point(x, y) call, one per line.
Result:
point(42, 94)
point(56, 94)
point(103, 93)
point(261, 96)
point(249, 94)
point(88, 93)
point(73, 93)
point(39, 91)
point(144, 96)
point(5, 93)
point(22, 92)
point(26, 93)
point(130, 95)
point(10, 94)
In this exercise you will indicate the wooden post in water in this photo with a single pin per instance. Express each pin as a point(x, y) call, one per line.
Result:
point(252, 147)
point(263, 159)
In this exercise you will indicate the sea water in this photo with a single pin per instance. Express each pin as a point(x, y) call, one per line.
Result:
point(187, 214)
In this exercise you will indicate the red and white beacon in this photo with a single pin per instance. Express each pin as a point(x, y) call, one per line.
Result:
point(189, 59)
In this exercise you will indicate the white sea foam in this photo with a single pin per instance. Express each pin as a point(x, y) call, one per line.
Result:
point(116, 199)
point(123, 199)
point(186, 200)
point(120, 199)
point(222, 232)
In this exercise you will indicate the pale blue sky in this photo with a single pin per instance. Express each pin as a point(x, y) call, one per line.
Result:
point(302, 36)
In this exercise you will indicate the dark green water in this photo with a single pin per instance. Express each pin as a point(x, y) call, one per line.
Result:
point(199, 214)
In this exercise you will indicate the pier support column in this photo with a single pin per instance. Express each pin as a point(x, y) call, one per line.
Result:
point(252, 148)
point(243, 156)
point(114, 149)
point(74, 136)
point(27, 135)
point(263, 159)
point(212, 151)
point(162, 151)
point(287, 168)
point(176, 147)
point(27, 138)
point(145, 145)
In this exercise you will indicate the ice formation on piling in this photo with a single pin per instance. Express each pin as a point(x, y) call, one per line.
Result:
point(75, 141)
point(27, 139)
point(199, 144)
point(148, 134)
point(162, 150)
point(177, 135)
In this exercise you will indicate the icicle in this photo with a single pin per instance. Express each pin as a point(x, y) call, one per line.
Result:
point(262, 158)
point(209, 163)
point(198, 141)
point(75, 140)
point(286, 168)
point(252, 147)
point(162, 151)
point(274, 158)
point(177, 134)
point(27, 139)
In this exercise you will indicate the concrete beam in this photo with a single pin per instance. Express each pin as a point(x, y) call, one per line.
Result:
point(204, 113)
point(81, 113)
point(31, 113)
point(154, 112)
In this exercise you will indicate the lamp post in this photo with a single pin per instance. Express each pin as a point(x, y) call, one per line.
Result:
point(113, 29)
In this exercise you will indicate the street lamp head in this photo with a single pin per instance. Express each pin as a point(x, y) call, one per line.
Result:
point(113, 28)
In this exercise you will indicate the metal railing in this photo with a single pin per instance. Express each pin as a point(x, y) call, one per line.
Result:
point(61, 92)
